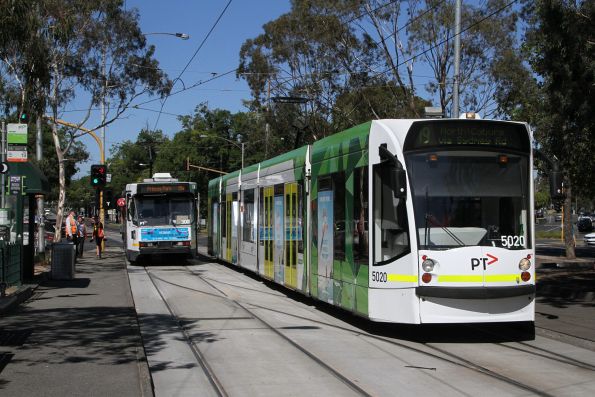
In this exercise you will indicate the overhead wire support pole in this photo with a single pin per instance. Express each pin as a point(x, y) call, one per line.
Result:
point(457, 65)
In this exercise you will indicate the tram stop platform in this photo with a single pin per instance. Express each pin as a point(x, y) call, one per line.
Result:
point(74, 337)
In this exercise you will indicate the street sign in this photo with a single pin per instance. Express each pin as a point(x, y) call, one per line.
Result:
point(108, 178)
point(17, 134)
point(16, 185)
point(121, 202)
point(17, 143)
point(3, 168)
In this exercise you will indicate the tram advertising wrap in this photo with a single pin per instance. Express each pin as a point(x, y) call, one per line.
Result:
point(406, 221)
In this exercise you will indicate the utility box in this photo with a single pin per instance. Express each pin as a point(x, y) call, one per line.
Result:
point(63, 260)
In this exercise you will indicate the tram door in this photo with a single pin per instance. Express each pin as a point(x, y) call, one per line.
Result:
point(267, 237)
point(228, 226)
point(291, 234)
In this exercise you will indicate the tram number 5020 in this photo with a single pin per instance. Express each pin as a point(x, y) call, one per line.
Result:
point(379, 277)
point(512, 241)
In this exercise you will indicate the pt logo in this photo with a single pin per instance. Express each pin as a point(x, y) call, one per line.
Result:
point(475, 262)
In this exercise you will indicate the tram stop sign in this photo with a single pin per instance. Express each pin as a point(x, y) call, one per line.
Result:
point(121, 202)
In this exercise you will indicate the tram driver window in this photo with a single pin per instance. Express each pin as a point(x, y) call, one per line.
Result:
point(391, 228)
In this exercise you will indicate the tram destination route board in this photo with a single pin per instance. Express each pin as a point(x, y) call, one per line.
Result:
point(443, 133)
point(159, 188)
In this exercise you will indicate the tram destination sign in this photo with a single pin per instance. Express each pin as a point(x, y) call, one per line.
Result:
point(441, 133)
point(157, 188)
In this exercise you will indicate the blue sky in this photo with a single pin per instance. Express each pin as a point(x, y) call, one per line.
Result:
point(243, 19)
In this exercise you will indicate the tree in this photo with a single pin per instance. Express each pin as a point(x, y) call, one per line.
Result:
point(561, 43)
point(305, 53)
point(95, 47)
point(130, 161)
point(76, 155)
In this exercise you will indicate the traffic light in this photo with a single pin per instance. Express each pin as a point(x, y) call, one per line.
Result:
point(108, 198)
point(98, 175)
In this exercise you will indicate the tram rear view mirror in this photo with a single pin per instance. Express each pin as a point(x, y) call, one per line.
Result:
point(398, 178)
point(556, 184)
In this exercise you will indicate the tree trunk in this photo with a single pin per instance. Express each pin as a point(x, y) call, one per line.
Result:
point(62, 183)
point(568, 229)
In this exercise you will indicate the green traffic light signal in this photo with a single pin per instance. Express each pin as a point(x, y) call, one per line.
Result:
point(98, 175)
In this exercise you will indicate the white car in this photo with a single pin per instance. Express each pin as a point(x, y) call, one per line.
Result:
point(590, 239)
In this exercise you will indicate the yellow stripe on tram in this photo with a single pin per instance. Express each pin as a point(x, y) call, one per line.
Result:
point(453, 278)
point(402, 278)
point(495, 278)
point(502, 277)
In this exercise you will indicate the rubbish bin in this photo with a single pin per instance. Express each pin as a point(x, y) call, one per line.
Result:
point(63, 259)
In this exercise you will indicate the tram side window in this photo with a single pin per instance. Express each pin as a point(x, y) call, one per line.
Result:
point(335, 183)
point(247, 232)
point(391, 228)
point(339, 215)
point(131, 210)
point(300, 212)
point(261, 216)
point(223, 208)
point(360, 215)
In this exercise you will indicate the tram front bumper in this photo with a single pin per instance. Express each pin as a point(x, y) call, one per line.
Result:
point(475, 292)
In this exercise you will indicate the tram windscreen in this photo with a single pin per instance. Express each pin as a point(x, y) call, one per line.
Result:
point(470, 198)
point(164, 210)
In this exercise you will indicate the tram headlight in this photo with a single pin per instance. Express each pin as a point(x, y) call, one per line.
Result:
point(524, 264)
point(428, 265)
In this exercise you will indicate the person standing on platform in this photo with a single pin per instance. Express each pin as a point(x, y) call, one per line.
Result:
point(98, 235)
point(71, 229)
point(82, 234)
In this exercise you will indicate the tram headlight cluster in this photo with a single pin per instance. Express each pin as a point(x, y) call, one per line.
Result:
point(428, 265)
point(524, 264)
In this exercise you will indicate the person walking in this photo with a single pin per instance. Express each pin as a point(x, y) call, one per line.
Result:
point(98, 235)
point(82, 235)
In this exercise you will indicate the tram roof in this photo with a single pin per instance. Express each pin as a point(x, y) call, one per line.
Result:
point(352, 140)
point(297, 155)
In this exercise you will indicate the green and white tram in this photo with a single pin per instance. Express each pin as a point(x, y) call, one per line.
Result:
point(407, 221)
point(160, 217)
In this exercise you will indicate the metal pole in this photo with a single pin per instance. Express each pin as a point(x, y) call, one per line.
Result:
point(101, 209)
point(455, 88)
point(242, 155)
point(3, 157)
point(40, 203)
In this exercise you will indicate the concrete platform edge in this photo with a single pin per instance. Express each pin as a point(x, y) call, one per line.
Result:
point(10, 302)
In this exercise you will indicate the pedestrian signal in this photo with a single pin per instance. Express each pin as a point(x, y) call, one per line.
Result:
point(98, 175)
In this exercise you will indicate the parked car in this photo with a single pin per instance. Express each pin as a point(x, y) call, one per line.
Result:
point(584, 224)
point(590, 239)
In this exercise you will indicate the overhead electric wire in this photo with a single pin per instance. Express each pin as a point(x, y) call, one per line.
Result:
point(201, 82)
point(193, 56)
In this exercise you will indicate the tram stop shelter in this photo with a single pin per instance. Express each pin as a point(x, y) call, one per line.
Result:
point(18, 223)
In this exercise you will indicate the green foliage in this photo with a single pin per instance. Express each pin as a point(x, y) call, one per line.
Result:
point(542, 199)
point(563, 55)
point(130, 161)
point(76, 155)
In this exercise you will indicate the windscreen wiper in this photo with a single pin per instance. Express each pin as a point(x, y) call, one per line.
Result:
point(429, 218)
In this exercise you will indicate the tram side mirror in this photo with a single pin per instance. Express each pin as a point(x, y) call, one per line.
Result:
point(398, 178)
point(556, 185)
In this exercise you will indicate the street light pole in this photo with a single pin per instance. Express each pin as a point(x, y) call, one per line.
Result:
point(183, 36)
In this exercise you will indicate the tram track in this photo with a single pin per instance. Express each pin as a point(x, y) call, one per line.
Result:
point(352, 385)
point(445, 355)
point(539, 353)
point(217, 385)
point(435, 352)
point(202, 362)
